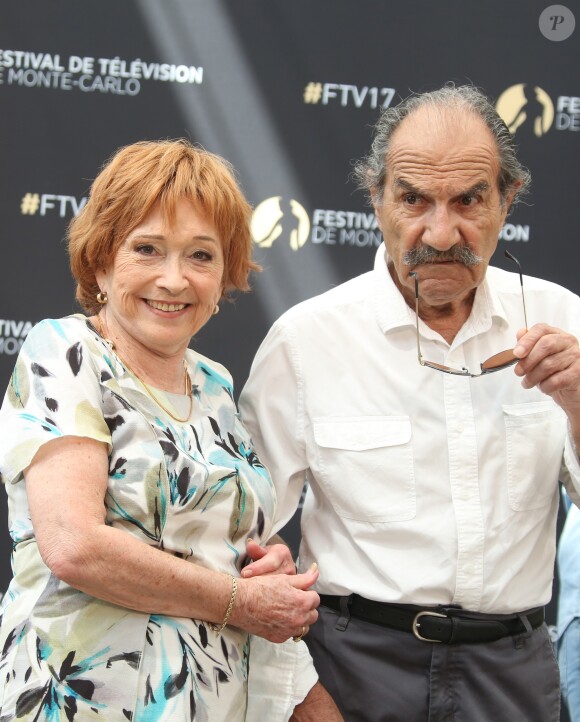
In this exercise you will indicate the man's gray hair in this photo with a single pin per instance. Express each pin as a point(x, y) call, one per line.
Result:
point(371, 170)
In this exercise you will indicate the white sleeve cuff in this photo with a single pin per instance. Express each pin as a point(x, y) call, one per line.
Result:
point(572, 467)
point(280, 676)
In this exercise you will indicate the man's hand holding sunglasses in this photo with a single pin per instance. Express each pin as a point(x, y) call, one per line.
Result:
point(550, 360)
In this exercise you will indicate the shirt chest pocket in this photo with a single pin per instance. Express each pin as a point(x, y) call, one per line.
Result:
point(365, 465)
point(535, 435)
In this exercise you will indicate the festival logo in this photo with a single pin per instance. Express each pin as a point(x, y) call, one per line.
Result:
point(277, 218)
point(526, 110)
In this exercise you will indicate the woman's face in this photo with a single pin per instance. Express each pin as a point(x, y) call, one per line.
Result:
point(164, 282)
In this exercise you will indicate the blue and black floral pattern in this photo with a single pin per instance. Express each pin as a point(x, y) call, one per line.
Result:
point(196, 490)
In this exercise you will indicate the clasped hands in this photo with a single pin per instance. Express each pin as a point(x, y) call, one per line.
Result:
point(273, 601)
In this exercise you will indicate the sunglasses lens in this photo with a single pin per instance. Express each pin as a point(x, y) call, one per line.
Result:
point(446, 369)
point(499, 360)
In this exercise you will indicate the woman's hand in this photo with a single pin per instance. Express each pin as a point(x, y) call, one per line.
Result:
point(277, 606)
point(271, 559)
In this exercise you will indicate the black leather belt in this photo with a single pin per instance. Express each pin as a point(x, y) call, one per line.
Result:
point(449, 625)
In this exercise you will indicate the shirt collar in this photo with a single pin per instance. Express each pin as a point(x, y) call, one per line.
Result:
point(390, 307)
point(392, 311)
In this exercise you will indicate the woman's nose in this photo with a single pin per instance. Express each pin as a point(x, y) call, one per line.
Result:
point(172, 276)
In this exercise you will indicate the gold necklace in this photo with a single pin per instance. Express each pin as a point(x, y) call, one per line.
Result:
point(187, 379)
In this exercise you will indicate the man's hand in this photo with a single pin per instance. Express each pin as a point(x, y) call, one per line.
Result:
point(550, 360)
point(271, 559)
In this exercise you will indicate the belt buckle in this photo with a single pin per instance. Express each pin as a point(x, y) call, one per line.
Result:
point(417, 624)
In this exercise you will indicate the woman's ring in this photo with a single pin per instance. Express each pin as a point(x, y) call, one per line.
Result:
point(299, 636)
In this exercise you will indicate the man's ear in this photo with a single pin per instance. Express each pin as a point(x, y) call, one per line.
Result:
point(377, 202)
point(509, 199)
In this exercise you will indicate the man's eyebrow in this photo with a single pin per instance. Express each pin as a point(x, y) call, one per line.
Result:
point(405, 185)
point(479, 187)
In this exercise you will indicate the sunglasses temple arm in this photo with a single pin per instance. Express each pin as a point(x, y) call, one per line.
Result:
point(419, 354)
point(524, 302)
point(507, 254)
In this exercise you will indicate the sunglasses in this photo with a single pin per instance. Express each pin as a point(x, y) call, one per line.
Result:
point(497, 362)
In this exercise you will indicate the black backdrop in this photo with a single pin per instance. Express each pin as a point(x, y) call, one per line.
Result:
point(288, 92)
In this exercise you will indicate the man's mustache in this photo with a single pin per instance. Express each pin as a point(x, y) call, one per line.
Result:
point(456, 254)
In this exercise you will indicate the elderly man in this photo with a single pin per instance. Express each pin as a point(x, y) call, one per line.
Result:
point(433, 422)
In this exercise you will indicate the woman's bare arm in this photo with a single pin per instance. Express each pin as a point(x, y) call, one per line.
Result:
point(66, 485)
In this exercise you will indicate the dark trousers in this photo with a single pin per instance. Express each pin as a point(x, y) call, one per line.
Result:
point(377, 674)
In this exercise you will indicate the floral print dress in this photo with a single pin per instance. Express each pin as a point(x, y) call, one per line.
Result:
point(195, 490)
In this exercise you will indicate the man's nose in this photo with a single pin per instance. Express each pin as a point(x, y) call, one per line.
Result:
point(441, 231)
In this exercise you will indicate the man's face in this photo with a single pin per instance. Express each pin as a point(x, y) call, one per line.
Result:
point(441, 196)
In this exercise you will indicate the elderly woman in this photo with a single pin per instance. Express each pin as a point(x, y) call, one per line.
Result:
point(132, 484)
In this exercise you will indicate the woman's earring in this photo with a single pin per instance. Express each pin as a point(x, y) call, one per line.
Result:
point(216, 310)
point(102, 297)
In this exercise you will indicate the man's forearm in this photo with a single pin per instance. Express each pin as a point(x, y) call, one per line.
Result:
point(317, 707)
